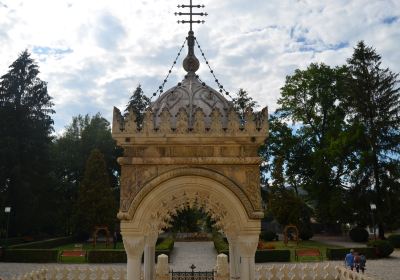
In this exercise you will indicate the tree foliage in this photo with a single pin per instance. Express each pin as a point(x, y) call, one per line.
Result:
point(138, 103)
point(96, 204)
point(25, 128)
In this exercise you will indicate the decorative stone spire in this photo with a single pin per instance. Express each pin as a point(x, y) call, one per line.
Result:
point(191, 63)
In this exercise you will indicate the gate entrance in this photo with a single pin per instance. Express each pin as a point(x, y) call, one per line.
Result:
point(192, 275)
point(191, 149)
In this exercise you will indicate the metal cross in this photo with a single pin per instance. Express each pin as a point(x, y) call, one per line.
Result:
point(191, 14)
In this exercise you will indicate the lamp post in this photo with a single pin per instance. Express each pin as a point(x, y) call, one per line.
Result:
point(373, 208)
point(7, 210)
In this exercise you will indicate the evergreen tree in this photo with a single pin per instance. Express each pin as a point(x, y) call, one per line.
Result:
point(96, 204)
point(242, 102)
point(25, 129)
point(138, 103)
point(373, 104)
point(70, 152)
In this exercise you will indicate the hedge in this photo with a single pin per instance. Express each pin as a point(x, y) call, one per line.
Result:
point(44, 244)
point(30, 255)
point(340, 253)
point(115, 256)
point(106, 256)
point(394, 239)
point(272, 256)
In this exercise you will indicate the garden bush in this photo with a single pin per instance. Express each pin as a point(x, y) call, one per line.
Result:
point(306, 233)
point(166, 244)
point(30, 255)
point(383, 247)
point(359, 234)
point(45, 244)
point(272, 256)
point(268, 235)
point(394, 239)
point(106, 256)
point(220, 244)
point(340, 253)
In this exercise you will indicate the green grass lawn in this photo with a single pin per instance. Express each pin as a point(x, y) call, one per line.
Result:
point(89, 246)
point(302, 245)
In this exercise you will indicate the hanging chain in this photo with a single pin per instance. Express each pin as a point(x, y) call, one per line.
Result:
point(220, 86)
point(161, 87)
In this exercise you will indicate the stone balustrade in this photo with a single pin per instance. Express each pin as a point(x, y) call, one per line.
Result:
point(74, 273)
point(320, 271)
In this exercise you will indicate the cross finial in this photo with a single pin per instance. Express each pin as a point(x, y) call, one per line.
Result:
point(191, 14)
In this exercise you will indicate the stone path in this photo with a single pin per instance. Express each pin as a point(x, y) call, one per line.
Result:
point(201, 254)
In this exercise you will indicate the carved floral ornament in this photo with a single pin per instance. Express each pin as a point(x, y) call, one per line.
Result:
point(253, 124)
point(160, 218)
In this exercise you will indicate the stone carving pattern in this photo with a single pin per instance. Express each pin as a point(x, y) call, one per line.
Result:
point(250, 125)
point(148, 122)
point(216, 124)
point(130, 122)
point(233, 122)
point(182, 122)
point(165, 123)
point(199, 125)
point(117, 126)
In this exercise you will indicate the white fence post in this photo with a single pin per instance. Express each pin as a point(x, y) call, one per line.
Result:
point(162, 267)
point(222, 268)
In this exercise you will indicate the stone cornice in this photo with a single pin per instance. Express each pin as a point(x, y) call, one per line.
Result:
point(189, 160)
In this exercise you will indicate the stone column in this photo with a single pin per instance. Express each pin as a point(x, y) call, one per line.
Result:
point(162, 271)
point(234, 257)
point(134, 245)
point(247, 248)
point(150, 256)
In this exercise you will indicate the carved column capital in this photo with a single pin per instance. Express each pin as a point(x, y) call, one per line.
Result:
point(133, 244)
point(248, 245)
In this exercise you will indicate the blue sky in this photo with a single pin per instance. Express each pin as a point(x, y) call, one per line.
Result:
point(94, 53)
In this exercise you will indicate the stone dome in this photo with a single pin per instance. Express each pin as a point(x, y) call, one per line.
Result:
point(191, 94)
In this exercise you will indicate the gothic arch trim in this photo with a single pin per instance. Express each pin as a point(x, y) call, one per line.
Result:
point(190, 171)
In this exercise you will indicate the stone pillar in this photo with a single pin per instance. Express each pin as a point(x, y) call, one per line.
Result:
point(234, 257)
point(134, 245)
point(247, 248)
point(162, 271)
point(222, 270)
point(150, 256)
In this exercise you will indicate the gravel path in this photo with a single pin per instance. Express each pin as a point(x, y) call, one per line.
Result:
point(201, 254)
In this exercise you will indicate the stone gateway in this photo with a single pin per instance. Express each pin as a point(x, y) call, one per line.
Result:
point(192, 150)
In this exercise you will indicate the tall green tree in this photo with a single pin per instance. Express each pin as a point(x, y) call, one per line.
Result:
point(243, 101)
point(96, 204)
point(373, 104)
point(70, 152)
point(312, 100)
point(138, 103)
point(25, 128)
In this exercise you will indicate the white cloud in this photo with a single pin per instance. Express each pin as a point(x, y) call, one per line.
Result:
point(93, 53)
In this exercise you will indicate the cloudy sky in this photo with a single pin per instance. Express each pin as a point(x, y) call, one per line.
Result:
point(93, 53)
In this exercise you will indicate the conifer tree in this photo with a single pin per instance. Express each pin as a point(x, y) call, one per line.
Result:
point(374, 108)
point(96, 204)
point(242, 102)
point(25, 129)
point(138, 102)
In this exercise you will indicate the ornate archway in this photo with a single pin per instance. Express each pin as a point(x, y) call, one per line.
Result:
point(191, 148)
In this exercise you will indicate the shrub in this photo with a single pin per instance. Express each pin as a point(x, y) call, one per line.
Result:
point(359, 234)
point(306, 233)
point(166, 244)
point(272, 256)
point(106, 256)
point(44, 244)
point(394, 239)
point(340, 253)
point(269, 246)
point(268, 235)
point(220, 244)
point(383, 247)
point(30, 255)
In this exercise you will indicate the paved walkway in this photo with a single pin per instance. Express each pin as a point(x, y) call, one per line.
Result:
point(201, 254)
point(338, 241)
